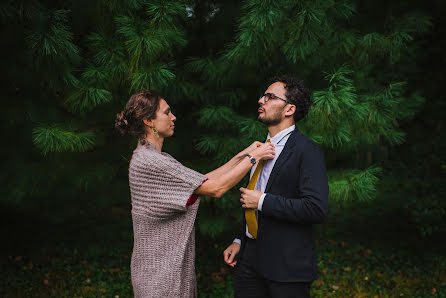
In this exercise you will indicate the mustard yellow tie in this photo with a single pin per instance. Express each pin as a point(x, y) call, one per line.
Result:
point(250, 214)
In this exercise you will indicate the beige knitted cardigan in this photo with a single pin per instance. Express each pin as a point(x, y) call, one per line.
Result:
point(163, 227)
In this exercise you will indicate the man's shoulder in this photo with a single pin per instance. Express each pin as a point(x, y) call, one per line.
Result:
point(303, 142)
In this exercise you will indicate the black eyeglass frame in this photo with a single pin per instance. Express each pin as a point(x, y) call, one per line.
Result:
point(268, 96)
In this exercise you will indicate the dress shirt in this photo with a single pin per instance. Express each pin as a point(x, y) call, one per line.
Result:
point(279, 141)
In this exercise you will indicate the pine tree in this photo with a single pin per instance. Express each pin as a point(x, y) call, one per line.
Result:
point(359, 94)
point(74, 66)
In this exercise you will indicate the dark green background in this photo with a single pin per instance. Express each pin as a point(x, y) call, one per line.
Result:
point(65, 203)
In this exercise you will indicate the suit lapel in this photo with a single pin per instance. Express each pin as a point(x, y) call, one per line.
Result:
point(284, 156)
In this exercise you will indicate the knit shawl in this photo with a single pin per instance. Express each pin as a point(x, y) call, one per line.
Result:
point(163, 227)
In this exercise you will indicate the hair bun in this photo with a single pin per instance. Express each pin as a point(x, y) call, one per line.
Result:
point(121, 124)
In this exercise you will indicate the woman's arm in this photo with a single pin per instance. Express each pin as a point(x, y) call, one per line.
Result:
point(233, 162)
point(218, 186)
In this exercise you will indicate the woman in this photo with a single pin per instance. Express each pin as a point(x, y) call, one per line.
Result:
point(165, 198)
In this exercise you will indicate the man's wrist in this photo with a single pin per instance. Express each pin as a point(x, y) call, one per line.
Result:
point(260, 204)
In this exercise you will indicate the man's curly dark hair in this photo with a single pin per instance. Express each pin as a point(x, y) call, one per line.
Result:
point(296, 94)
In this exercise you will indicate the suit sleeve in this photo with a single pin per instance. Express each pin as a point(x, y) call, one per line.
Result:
point(242, 231)
point(311, 205)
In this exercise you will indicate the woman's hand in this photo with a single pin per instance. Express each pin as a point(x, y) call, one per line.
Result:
point(250, 148)
point(264, 152)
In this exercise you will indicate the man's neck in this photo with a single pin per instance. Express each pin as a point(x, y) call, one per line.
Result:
point(275, 129)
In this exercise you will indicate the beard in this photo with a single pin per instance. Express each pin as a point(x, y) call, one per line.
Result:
point(274, 119)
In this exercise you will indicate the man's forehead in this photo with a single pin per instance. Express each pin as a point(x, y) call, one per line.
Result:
point(277, 87)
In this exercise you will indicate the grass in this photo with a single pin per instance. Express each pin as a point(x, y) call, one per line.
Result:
point(360, 255)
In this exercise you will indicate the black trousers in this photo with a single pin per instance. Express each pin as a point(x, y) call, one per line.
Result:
point(249, 283)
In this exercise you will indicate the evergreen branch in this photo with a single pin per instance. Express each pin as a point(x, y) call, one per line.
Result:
point(53, 44)
point(144, 42)
point(118, 6)
point(342, 9)
point(108, 50)
point(375, 43)
point(413, 23)
point(225, 147)
point(153, 77)
point(166, 12)
point(57, 139)
point(96, 76)
point(335, 111)
point(399, 41)
point(217, 116)
point(210, 70)
point(208, 144)
point(384, 110)
point(85, 98)
point(252, 130)
point(258, 31)
point(349, 185)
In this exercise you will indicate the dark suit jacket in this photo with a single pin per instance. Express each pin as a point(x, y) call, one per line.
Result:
point(297, 198)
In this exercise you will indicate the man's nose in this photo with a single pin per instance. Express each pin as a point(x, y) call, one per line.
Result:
point(261, 100)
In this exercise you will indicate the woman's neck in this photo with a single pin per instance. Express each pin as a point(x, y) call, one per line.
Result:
point(157, 141)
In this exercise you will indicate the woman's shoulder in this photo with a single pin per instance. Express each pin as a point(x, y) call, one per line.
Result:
point(146, 153)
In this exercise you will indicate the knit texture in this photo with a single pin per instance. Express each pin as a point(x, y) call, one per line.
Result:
point(163, 259)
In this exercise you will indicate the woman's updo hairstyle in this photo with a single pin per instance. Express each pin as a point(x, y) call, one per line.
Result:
point(142, 105)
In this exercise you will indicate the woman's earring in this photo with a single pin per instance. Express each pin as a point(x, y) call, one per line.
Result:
point(155, 132)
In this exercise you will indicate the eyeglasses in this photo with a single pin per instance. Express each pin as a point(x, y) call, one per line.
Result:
point(268, 96)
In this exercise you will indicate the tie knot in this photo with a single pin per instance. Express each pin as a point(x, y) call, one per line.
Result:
point(268, 141)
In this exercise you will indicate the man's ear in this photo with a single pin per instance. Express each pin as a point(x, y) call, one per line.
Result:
point(148, 123)
point(291, 109)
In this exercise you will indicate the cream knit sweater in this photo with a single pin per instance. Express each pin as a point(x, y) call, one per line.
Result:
point(164, 239)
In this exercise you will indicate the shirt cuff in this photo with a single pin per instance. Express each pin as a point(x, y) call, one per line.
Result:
point(259, 206)
point(236, 240)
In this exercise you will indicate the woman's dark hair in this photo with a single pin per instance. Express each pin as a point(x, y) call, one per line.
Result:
point(296, 94)
point(141, 105)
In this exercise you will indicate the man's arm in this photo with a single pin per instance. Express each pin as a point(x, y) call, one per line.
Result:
point(230, 253)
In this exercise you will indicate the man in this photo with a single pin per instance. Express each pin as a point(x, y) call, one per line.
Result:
point(276, 250)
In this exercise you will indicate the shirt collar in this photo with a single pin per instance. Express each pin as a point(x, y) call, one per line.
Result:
point(281, 135)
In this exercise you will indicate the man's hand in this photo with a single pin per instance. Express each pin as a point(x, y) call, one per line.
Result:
point(250, 198)
point(230, 253)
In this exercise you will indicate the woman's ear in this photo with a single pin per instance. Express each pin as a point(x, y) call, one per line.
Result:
point(148, 123)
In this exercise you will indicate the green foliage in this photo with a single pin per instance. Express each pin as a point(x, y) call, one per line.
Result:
point(50, 40)
point(85, 98)
point(57, 139)
point(70, 63)
point(71, 262)
point(354, 184)
point(212, 226)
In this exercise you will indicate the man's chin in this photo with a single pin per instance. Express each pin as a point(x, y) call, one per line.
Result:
point(262, 119)
point(268, 122)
